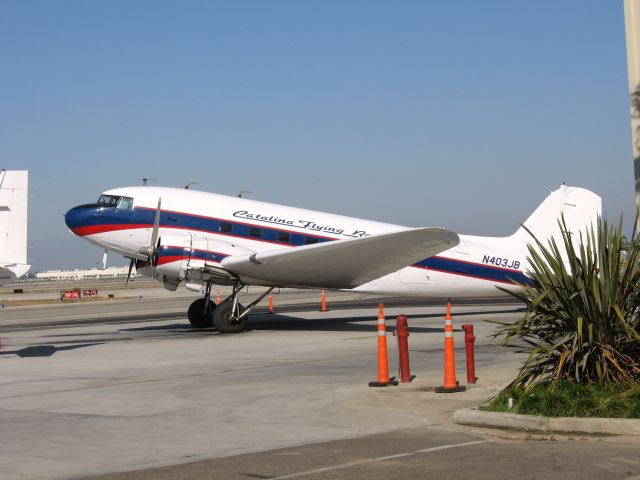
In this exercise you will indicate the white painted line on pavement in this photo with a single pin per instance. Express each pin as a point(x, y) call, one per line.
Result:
point(444, 447)
point(382, 459)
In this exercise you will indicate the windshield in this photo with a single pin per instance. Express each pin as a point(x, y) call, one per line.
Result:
point(121, 203)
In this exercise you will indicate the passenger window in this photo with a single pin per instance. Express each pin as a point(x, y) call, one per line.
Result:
point(310, 240)
point(255, 232)
point(284, 237)
point(225, 227)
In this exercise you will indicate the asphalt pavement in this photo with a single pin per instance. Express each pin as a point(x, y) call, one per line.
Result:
point(124, 386)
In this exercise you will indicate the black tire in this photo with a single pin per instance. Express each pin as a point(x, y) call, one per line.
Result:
point(198, 318)
point(222, 318)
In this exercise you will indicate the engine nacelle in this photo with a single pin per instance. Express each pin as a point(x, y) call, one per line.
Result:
point(183, 257)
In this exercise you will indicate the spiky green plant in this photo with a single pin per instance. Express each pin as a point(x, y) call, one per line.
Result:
point(583, 310)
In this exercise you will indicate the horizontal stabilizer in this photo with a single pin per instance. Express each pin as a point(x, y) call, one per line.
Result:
point(344, 263)
point(10, 273)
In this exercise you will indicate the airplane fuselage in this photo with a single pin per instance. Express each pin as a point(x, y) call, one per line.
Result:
point(474, 268)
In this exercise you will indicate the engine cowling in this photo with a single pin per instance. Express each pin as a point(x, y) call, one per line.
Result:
point(181, 257)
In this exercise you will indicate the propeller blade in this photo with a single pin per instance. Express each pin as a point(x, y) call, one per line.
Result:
point(133, 262)
point(149, 250)
point(154, 257)
point(156, 225)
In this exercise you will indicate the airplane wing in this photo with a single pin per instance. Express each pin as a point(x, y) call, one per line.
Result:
point(10, 273)
point(344, 263)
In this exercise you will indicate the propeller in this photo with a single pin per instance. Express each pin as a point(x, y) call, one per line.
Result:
point(151, 250)
point(154, 257)
point(131, 264)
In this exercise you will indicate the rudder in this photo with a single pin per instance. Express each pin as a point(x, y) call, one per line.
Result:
point(580, 207)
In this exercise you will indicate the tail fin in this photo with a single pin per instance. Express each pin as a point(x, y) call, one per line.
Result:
point(580, 208)
point(14, 187)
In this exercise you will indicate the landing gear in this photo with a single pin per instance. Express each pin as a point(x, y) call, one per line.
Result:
point(226, 322)
point(200, 313)
point(231, 317)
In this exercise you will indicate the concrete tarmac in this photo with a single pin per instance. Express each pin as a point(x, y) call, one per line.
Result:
point(92, 389)
point(425, 453)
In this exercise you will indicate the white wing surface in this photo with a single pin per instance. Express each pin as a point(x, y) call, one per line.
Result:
point(344, 263)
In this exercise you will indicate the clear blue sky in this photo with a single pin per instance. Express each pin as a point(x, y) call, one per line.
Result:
point(459, 114)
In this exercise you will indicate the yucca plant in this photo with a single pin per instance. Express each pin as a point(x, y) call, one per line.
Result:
point(583, 310)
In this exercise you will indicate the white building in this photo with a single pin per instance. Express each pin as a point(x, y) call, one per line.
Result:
point(90, 274)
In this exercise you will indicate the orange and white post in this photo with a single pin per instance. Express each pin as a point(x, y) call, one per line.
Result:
point(450, 384)
point(383, 358)
point(271, 303)
point(323, 306)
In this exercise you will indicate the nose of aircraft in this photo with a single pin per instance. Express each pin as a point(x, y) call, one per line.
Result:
point(77, 217)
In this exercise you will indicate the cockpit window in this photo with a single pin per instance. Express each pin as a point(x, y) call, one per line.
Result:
point(108, 200)
point(125, 203)
point(122, 203)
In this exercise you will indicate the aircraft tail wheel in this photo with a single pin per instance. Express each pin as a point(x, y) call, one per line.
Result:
point(199, 316)
point(223, 321)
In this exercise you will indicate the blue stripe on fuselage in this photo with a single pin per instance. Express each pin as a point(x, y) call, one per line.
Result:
point(475, 270)
point(169, 251)
point(212, 225)
point(184, 221)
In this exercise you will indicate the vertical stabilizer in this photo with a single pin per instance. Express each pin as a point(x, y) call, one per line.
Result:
point(580, 208)
point(14, 186)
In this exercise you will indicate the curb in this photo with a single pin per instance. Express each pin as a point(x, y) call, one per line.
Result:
point(604, 426)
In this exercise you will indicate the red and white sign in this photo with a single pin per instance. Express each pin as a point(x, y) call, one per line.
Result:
point(90, 293)
point(71, 295)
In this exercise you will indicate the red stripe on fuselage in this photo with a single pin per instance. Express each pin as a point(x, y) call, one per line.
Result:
point(94, 229)
point(171, 258)
point(178, 258)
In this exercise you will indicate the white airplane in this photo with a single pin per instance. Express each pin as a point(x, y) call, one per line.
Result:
point(14, 188)
point(181, 235)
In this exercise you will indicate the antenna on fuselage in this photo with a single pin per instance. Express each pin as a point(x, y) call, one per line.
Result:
point(242, 192)
point(186, 187)
point(145, 180)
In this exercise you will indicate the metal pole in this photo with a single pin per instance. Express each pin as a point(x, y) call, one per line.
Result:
point(402, 330)
point(632, 28)
point(469, 340)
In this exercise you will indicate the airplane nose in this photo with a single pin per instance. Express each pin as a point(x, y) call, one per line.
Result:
point(76, 217)
point(71, 218)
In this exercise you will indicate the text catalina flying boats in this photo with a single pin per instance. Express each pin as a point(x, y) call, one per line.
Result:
point(181, 235)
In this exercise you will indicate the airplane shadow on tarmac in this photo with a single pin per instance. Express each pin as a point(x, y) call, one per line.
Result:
point(282, 323)
point(44, 350)
point(277, 322)
point(264, 321)
point(163, 328)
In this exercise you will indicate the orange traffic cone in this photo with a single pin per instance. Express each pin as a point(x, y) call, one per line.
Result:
point(270, 303)
point(218, 297)
point(323, 308)
point(383, 362)
point(450, 383)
